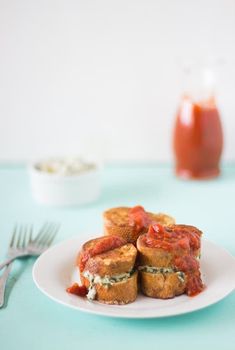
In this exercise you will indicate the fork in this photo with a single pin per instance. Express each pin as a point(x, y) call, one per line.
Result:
point(22, 245)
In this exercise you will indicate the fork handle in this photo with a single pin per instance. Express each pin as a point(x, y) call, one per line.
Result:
point(3, 281)
point(9, 260)
point(6, 262)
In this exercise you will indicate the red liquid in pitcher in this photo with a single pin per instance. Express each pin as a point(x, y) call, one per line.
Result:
point(198, 140)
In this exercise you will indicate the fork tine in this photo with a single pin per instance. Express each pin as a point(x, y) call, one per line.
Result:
point(25, 237)
point(24, 231)
point(13, 236)
point(30, 233)
point(52, 235)
point(41, 232)
point(19, 240)
point(46, 234)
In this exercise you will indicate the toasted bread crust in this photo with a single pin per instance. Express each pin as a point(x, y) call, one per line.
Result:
point(116, 222)
point(119, 293)
point(162, 219)
point(91, 243)
point(113, 262)
point(163, 286)
point(153, 256)
point(126, 232)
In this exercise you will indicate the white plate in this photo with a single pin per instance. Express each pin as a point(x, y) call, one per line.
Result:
point(55, 270)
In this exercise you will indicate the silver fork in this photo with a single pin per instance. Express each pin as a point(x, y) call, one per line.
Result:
point(22, 245)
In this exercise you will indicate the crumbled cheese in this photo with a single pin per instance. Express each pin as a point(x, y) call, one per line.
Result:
point(181, 276)
point(91, 293)
point(198, 257)
point(65, 166)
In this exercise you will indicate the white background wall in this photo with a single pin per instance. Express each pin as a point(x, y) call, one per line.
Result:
point(104, 77)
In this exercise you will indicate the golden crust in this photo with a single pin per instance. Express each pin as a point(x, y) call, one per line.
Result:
point(153, 256)
point(126, 232)
point(116, 216)
point(113, 262)
point(162, 219)
point(116, 222)
point(91, 243)
point(163, 286)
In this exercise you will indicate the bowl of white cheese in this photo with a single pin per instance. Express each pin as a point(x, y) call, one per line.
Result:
point(65, 181)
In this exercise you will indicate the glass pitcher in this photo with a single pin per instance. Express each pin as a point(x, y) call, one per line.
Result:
point(198, 137)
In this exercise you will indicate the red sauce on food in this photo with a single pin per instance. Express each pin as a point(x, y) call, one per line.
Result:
point(190, 266)
point(173, 237)
point(101, 246)
point(138, 218)
point(81, 291)
point(183, 242)
point(198, 139)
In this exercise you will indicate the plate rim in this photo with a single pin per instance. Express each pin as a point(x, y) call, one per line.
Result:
point(113, 314)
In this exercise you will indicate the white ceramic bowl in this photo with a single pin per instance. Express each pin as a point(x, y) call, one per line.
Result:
point(65, 190)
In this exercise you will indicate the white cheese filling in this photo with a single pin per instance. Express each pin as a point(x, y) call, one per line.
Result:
point(153, 269)
point(106, 281)
point(163, 270)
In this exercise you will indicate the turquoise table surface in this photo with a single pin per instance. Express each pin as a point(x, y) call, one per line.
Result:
point(32, 321)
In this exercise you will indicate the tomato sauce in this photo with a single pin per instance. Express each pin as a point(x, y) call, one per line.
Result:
point(101, 246)
point(183, 242)
point(198, 139)
point(81, 291)
point(139, 219)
